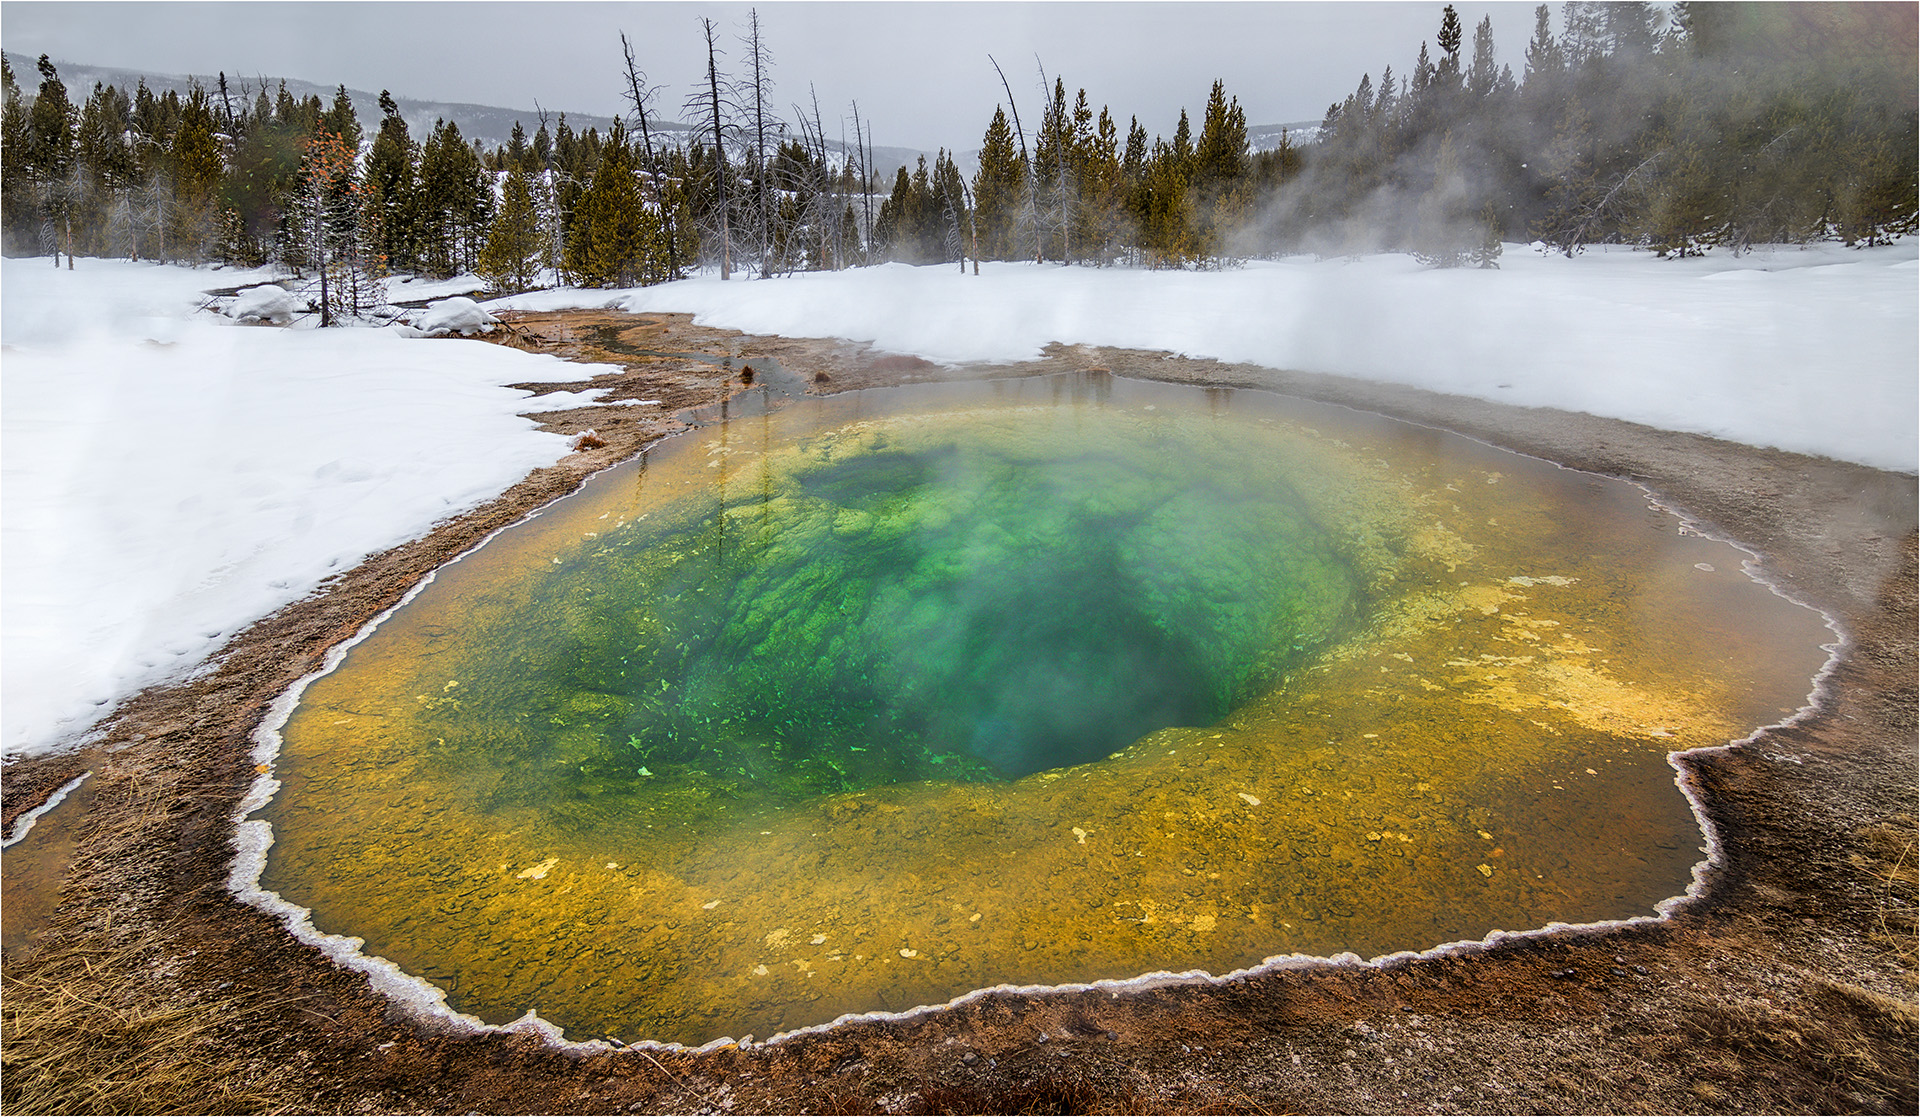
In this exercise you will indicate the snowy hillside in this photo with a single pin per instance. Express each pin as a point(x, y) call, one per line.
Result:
point(170, 476)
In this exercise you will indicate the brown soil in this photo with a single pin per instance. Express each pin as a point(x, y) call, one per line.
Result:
point(1788, 987)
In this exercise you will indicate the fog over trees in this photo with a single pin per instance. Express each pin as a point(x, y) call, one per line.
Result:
point(1703, 126)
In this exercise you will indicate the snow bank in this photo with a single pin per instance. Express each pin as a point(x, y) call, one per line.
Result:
point(1807, 349)
point(413, 289)
point(169, 477)
point(458, 315)
point(268, 302)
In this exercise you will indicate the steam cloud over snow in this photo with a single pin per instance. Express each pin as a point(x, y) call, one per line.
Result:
point(172, 475)
point(1806, 349)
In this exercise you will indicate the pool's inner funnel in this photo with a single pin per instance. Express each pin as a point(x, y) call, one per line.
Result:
point(950, 611)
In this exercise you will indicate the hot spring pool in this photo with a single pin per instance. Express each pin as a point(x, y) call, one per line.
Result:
point(874, 700)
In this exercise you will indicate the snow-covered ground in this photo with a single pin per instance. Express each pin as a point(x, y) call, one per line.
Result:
point(169, 475)
point(1811, 349)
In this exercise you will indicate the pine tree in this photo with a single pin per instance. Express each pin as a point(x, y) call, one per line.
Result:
point(516, 153)
point(342, 121)
point(540, 151)
point(1182, 150)
point(1447, 72)
point(1032, 191)
point(951, 216)
point(261, 178)
point(1136, 191)
point(893, 230)
point(195, 165)
point(18, 204)
point(453, 204)
point(1220, 167)
point(108, 173)
point(390, 186)
point(1545, 62)
point(52, 161)
point(1167, 233)
point(510, 261)
point(998, 190)
point(1486, 254)
point(1482, 75)
point(1443, 238)
point(326, 222)
point(616, 239)
point(1103, 193)
point(1052, 158)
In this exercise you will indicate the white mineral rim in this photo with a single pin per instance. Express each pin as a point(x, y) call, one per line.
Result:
point(24, 823)
point(429, 1002)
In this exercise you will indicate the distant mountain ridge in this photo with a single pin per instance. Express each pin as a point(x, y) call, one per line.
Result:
point(492, 125)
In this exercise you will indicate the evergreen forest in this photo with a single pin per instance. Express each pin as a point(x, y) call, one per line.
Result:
point(1679, 129)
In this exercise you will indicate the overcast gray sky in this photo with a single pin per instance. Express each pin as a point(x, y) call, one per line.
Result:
point(919, 70)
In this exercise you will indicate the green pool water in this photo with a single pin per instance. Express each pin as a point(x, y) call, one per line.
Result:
point(865, 702)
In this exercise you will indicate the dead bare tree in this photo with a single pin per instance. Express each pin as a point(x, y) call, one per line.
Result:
point(872, 184)
point(1057, 111)
point(640, 94)
point(821, 210)
point(1033, 204)
point(710, 106)
point(839, 180)
point(866, 184)
point(226, 104)
point(955, 212)
point(759, 83)
point(821, 190)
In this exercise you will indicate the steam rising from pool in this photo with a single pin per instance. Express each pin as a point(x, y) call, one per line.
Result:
point(878, 699)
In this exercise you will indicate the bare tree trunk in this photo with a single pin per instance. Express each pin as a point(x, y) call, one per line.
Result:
point(972, 225)
point(1033, 204)
point(866, 178)
point(839, 227)
point(639, 94)
point(226, 102)
point(758, 61)
point(822, 207)
point(1060, 158)
point(720, 155)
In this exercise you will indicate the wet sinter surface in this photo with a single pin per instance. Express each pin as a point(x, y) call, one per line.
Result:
point(882, 698)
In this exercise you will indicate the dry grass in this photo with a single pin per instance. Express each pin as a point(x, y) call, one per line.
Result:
point(1050, 1095)
point(1892, 862)
point(1844, 1046)
point(81, 1041)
